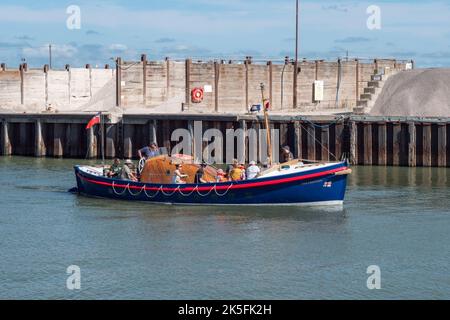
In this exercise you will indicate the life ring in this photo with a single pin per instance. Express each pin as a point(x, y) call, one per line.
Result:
point(197, 95)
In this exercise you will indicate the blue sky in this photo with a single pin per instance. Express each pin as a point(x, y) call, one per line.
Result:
point(264, 29)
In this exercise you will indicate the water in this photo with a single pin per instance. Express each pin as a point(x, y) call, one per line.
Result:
point(396, 218)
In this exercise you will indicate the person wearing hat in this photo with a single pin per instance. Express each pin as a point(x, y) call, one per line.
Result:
point(127, 173)
point(198, 179)
point(220, 177)
point(253, 171)
point(286, 154)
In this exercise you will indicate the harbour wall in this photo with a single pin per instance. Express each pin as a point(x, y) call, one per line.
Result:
point(364, 140)
point(230, 86)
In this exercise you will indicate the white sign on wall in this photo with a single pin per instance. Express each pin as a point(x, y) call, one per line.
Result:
point(318, 90)
point(207, 88)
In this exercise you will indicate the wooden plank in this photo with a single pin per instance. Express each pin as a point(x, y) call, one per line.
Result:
point(128, 134)
point(427, 162)
point(368, 159)
point(442, 145)
point(412, 162)
point(110, 138)
point(382, 144)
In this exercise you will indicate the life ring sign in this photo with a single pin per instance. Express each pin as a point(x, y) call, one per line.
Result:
point(197, 95)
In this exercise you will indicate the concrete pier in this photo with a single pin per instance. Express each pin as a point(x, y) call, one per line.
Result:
point(367, 141)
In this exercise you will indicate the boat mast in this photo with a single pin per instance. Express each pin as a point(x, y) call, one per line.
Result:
point(267, 123)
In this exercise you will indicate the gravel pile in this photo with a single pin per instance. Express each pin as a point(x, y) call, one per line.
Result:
point(416, 93)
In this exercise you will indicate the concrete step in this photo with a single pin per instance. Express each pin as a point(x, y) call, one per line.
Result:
point(366, 96)
point(362, 103)
point(374, 84)
point(370, 90)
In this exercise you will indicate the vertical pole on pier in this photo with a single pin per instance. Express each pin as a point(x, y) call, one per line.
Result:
point(396, 139)
point(270, 65)
point(368, 159)
point(92, 144)
point(311, 142)
point(243, 139)
point(188, 82)
point(5, 143)
point(119, 82)
point(412, 144)
point(39, 145)
point(144, 78)
point(152, 129)
point(382, 144)
point(338, 140)
point(357, 80)
point(246, 65)
point(427, 145)
point(298, 140)
point(353, 142)
point(216, 85)
point(22, 85)
point(442, 144)
point(325, 141)
point(58, 134)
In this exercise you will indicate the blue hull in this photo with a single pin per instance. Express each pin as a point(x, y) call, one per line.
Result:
point(315, 186)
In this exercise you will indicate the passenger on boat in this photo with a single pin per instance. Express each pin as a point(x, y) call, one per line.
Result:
point(198, 179)
point(230, 167)
point(115, 170)
point(178, 177)
point(149, 152)
point(220, 176)
point(127, 172)
point(243, 172)
point(286, 154)
point(253, 171)
point(235, 173)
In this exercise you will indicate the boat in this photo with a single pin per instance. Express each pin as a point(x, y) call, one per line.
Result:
point(296, 182)
point(289, 184)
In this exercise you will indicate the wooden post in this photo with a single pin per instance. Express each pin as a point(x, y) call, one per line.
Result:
point(382, 144)
point(188, 82)
point(243, 138)
point(396, 139)
point(338, 142)
point(119, 82)
point(427, 145)
point(295, 85)
point(353, 143)
point(92, 144)
point(39, 144)
point(246, 64)
point(298, 140)
point(5, 143)
point(144, 78)
point(325, 141)
point(368, 159)
point(58, 135)
point(128, 141)
point(152, 131)
point(357, 80)
point(311, 142)
point(216, 85)
point(110, 138)
point(412, 144)
point(442, 145)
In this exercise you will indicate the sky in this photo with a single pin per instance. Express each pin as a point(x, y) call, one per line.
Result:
point(222, 29)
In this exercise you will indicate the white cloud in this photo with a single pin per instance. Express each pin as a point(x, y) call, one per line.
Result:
point(58, 51)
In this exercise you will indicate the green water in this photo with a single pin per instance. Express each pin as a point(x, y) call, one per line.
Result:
point(396, 218)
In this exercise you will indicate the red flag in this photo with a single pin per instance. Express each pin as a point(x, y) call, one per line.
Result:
point(95, 120)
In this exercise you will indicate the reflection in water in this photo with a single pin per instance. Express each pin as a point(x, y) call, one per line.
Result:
point(397, 218)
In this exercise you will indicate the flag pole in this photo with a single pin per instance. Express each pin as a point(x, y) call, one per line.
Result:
point(102, 129)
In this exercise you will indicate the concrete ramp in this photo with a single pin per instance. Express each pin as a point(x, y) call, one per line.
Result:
point(415, 93)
